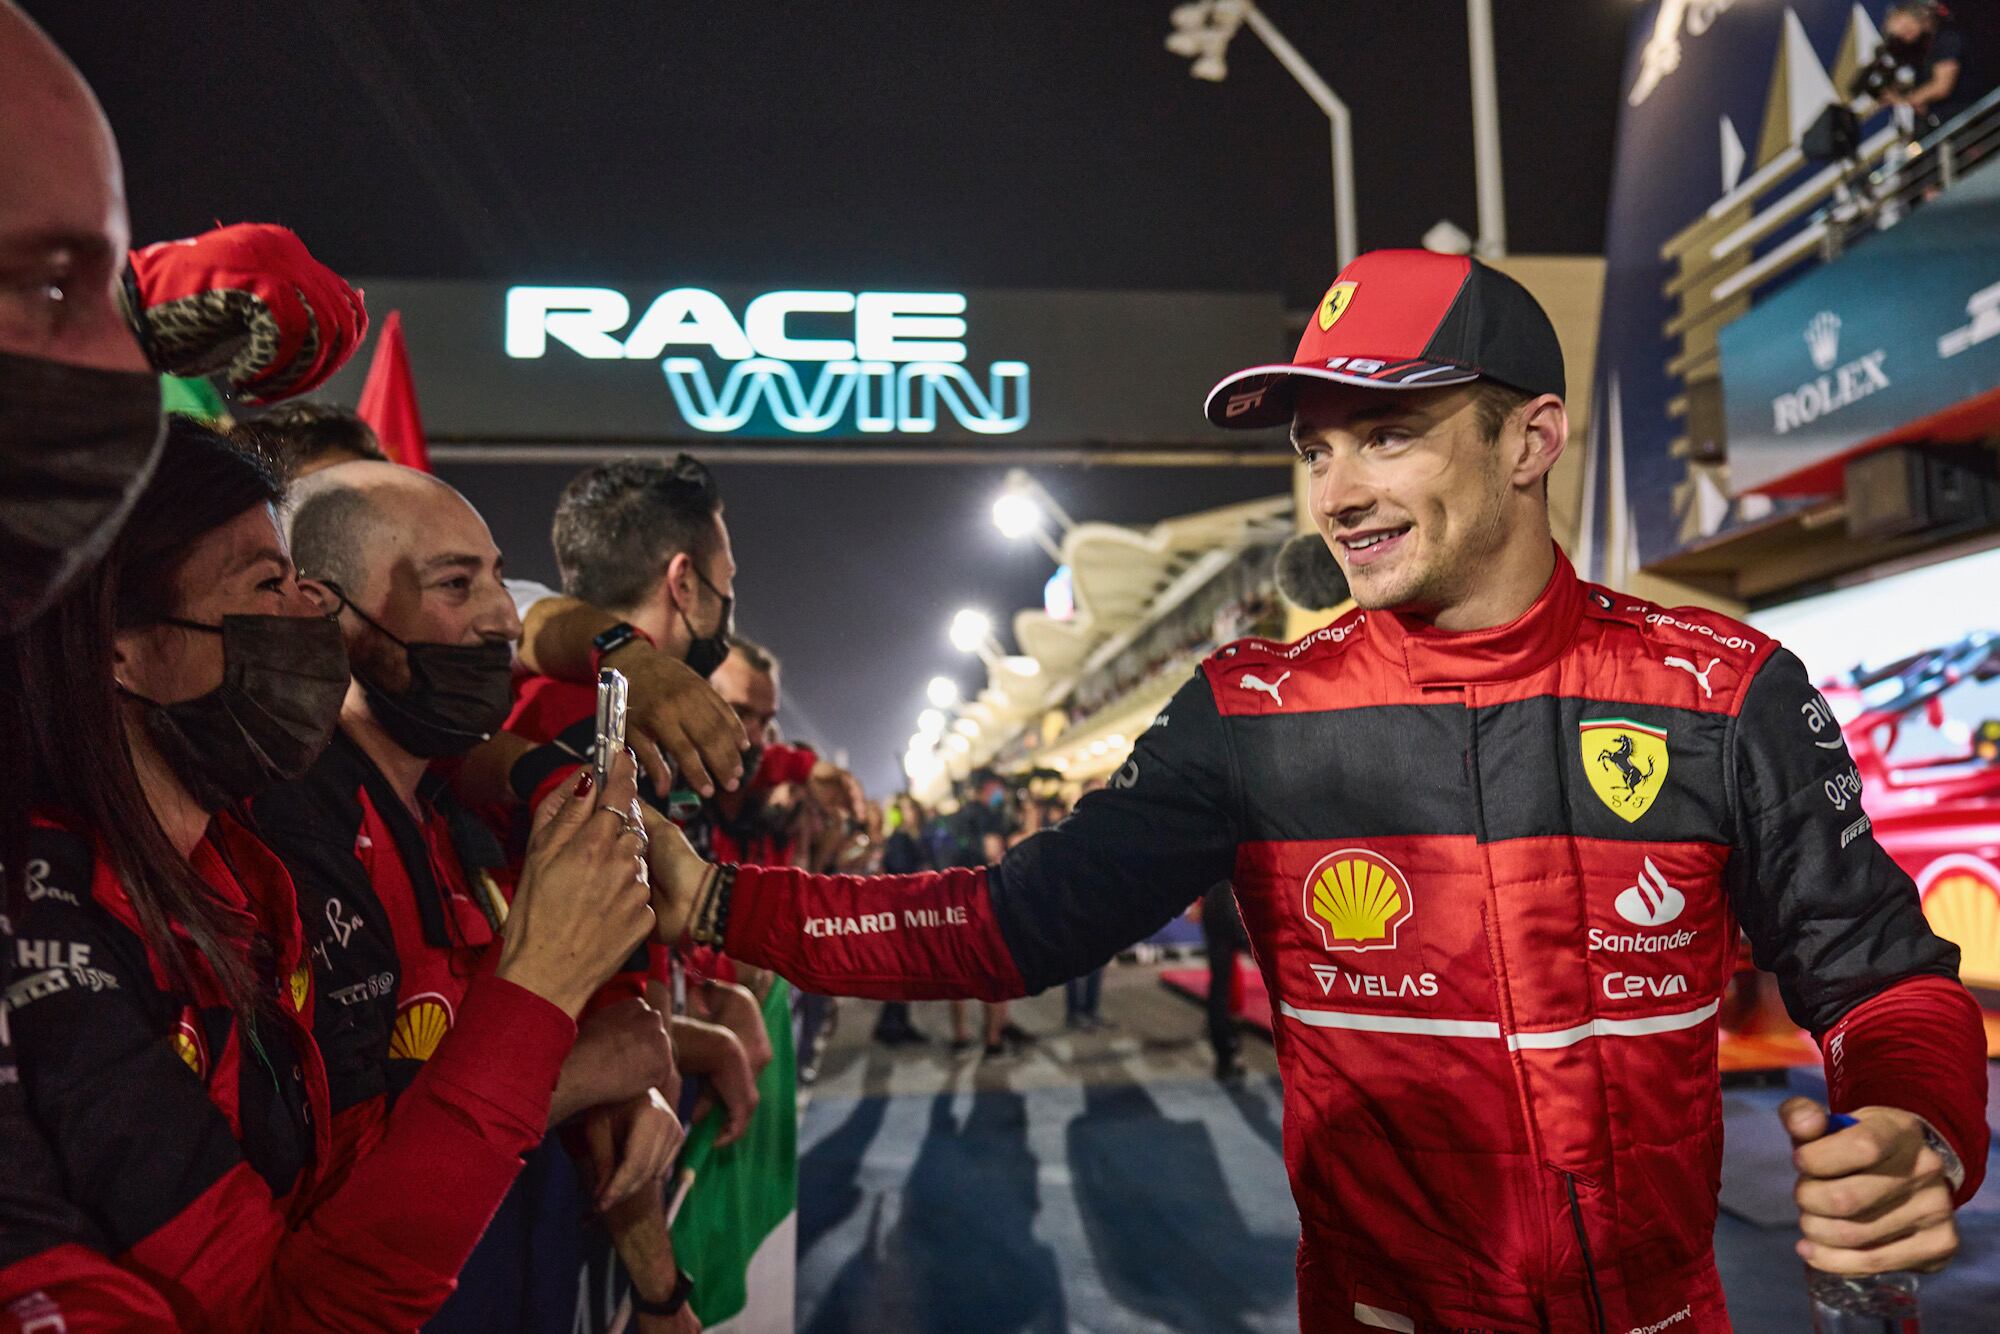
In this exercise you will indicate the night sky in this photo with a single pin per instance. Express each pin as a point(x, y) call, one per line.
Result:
point(975, 143)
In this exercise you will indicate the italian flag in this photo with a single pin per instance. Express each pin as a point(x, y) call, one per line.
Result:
point(736, 1232)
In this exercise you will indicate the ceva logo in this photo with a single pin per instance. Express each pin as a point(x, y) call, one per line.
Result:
point(902, 364)
point(1652, 901)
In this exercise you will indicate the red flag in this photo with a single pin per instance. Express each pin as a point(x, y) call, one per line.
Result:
point(389, 399)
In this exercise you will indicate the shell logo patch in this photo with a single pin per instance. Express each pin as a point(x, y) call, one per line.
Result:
point(300, 986)
point(1334, 304)
point(1625, 762)
point(1358, 900)
point(421, 1023)
point(1961, 897)
point(191, 1046)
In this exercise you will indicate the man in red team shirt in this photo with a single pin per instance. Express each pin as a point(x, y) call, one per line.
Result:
point(1493, 835)
point(402, 889)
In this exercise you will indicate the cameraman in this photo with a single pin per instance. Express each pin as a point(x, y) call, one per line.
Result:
point(1921, 65)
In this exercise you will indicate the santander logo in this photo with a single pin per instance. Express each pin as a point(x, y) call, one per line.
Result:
point(1652, 901)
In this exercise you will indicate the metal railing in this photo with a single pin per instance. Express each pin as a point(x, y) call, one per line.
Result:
point(1782, 219)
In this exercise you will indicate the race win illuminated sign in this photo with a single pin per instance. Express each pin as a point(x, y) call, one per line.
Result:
point(808, 362)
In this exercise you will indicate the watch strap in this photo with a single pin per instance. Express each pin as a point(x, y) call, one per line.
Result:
point(608, 642)
point(671, 1304)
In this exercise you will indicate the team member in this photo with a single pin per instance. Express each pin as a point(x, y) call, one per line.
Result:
point(80, 322)
point(1492, 835)
point(400, 887)
point(647, 542)
point(162, 1003)
point(80, 429)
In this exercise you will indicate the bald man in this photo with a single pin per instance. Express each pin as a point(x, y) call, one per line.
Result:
point(79, 408)
point(62, 245)
point(402, 889)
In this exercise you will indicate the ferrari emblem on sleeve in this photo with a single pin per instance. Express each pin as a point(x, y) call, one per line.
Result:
point(300, 984)
point(1626, 763)
point(1334, 304)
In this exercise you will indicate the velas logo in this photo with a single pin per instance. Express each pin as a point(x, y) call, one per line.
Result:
point(421, 1023)
point(1625, 762)
point(878, 362)
point(1358, 900)
point(1334, 304)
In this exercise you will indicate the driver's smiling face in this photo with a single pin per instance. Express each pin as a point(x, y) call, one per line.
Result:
point(1407, 491)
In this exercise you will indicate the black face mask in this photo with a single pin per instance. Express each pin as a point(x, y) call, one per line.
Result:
point(708, 652)
point(283, 680)
point(459, 693)
point(76, 448)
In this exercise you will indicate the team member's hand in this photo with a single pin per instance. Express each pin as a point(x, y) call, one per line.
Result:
point(251, 302)
point(712, 1051)
point(677, 872)
point(736, 1009)
point(582, 903)
point(674, 715)
point(621, 1051)
point(1873, 1197)
point(631, 1146)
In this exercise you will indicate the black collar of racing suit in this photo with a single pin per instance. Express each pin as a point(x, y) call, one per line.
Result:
point(475, 844)
point(1522, 647)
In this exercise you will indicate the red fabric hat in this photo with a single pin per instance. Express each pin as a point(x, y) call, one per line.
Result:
point(1405, 319)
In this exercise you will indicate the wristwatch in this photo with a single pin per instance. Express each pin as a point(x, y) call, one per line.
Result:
point(1954, 1166)
point(610, 641)
point(675, 1300)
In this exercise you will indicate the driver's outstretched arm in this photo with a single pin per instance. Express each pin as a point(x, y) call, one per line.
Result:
point(1127, 860)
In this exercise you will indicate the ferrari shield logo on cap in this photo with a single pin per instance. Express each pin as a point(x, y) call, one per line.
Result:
point(1626, 763)
point(1334, 304)
point(1358, 900)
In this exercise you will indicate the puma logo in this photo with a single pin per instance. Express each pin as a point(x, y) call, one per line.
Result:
point(1249, 682)
point(1701, 676)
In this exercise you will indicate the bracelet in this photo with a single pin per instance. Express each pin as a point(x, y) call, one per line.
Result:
point(672, 1304)
point(711, 915)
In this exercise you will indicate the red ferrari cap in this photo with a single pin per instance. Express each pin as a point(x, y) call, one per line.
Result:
point(1405, 319)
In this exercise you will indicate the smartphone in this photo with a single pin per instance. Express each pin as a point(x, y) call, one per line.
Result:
point(611, 690)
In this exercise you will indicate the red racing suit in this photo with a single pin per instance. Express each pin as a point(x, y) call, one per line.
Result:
point(1493, 882)
point(200, 1154)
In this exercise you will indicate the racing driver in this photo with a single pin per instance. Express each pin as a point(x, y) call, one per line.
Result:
point(1493, 833)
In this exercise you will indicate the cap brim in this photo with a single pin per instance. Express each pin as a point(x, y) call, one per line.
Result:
point(1261, 396)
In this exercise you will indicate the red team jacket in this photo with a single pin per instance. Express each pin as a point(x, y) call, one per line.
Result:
point(1494, 883)
point(201, 1157)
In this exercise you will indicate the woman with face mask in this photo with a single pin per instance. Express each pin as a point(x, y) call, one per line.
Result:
point(162, 1001)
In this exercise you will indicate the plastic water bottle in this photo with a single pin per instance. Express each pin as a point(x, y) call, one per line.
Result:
point(1877, 1304)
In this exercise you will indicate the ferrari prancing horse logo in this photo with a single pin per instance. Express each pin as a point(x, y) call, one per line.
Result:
point(1334, 304)
point(1626, 763)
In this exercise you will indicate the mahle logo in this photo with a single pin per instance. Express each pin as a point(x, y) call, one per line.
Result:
point(1358, 900)
point(897, 362)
